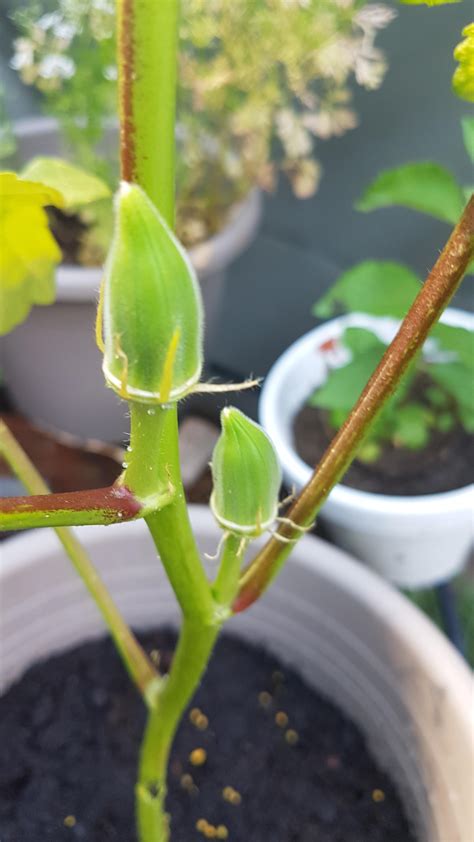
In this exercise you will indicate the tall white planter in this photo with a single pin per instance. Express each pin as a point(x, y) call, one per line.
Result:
point(51, 364)
point(351, 636)
point(414, 541)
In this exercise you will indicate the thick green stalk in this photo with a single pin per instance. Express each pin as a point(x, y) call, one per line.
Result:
point(434, 296)
point(193, 651)
point(147, 59)
point(226, 584)
point(138, 665)
point(147, 50)
point(154, 463)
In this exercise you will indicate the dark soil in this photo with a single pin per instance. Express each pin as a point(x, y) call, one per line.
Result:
point(445, 464)
point(68, 230)
point(70, 731)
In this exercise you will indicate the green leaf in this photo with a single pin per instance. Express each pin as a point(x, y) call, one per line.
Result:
point(358, 340)
point(77, 186)
point(344, 385)
point(412, 426)
point(456, 339)
point(445, 422)
point(425, 186)
point(467, 124)
point(457, 379)
point(379, 288)
point(463, 79)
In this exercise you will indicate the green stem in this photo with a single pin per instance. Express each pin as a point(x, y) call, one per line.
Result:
point(138, 665)
point(147, 52)
point(114, 504)
point(434, 296)
point(192, 654)
point(154, 462)
point(226, 583)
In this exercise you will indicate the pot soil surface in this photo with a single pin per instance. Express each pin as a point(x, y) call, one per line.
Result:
point(299, 771)
point(443, 465)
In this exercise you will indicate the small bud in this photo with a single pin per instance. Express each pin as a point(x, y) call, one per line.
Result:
point(246, 474)
point(152, 310)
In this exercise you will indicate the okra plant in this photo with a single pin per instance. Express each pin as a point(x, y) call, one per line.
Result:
point(149, 328)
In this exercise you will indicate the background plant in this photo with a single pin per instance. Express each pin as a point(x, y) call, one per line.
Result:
point(437, 392)
point(248, 107)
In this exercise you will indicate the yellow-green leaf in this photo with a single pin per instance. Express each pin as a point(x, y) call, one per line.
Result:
point(463, 79)
point(76, 185)
point(423, 186)
point(28, 252)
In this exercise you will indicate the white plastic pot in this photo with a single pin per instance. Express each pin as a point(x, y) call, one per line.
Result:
point(51, 364)
point(351, 636)
point(413, 541)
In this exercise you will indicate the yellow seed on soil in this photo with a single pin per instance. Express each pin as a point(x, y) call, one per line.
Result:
point(198, 757)
point(222, 832)
point(281, 719)
point(231, 795)
point(70, 821)
point(155, 656)
point(264, 699)
point(378, 795)
point(291, 737)
point(201, 825)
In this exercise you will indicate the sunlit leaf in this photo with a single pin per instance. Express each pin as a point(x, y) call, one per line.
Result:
point(76, 185)
point(379, 288)
point(424, 186)
point(463, 79)
point(29, 252)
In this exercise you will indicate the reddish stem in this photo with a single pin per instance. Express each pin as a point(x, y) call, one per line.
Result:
point(435, 294)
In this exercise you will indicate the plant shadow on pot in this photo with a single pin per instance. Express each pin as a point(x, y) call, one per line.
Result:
point(343, 631)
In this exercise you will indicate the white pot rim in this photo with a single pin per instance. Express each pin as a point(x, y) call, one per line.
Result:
point(317, 556)
point(81, 284)
point(342, 496)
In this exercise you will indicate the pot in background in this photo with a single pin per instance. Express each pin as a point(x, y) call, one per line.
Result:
point(351, 636)
point(414, 541)
point(51, 364)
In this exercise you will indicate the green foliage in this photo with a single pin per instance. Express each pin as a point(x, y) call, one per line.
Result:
point(405, 420)
point(468, 135)
point(376, 287)
point(463, 79)
point(7, 140)
point(77, 186)
point(243, 116)
point(424, 186)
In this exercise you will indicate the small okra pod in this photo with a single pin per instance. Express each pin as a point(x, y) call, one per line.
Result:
point(247, 476)
point(152, 309)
